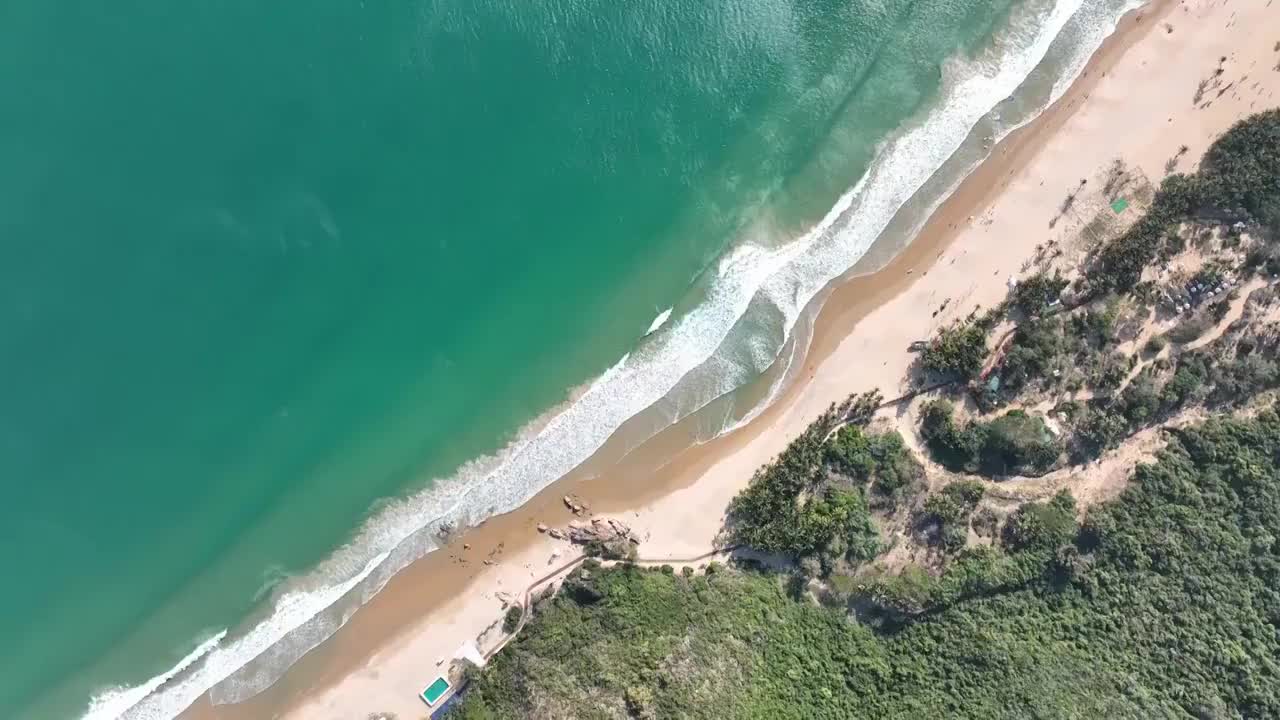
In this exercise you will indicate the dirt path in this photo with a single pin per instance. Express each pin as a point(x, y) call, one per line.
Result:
point(1234, 313)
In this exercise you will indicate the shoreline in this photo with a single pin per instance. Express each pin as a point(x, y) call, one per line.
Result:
point(448, 575)
point(439, 599)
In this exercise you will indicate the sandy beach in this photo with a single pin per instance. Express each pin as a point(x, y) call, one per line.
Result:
point(1140, 100)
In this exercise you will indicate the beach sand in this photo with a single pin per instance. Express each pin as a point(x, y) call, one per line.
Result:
point(1133, 102)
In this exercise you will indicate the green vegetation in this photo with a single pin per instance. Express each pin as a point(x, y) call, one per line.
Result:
point(1042, 526)
point(1036, 541)
point(1018, 442)
point(881, 460)
point(953, 447)
point(1063, 352)
point(1035, 354)
point(1013, 443)
point(1244, 376)
point(811, 502)
point(948, 510)
point(1036, 294)
point(511, 619)
point(1164, 604)
point(1239, 170)
point(1190, 328)
point(1224, 374)
point(957, 353)
point(955, 501)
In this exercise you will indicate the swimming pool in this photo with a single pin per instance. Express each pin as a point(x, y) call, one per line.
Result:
point(433, 692)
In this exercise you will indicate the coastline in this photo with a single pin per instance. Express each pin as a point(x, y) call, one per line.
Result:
point(390, 646)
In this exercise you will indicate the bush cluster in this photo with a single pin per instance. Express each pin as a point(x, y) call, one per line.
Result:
point(811, 502)
point(1036, 294)
point(949, 510)
point(957, 352)
point(880, 460)
point(1198, 378)
point(1013, 443)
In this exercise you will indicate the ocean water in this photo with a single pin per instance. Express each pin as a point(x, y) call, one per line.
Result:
point(282, 289)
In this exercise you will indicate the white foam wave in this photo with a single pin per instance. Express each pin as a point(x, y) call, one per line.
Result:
point(1093, 30)
point(181, 689)
point(907, 162)
point(786, 277)
point(1089, 27)
point(114, 703)
point(659, 321)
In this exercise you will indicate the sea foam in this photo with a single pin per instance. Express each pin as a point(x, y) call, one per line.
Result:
point(114, 703)
point(778, 281)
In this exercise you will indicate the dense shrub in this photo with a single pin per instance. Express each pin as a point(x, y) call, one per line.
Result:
point(958, 351)
point(1018, 442)
point(1140, 401)
point(1037, 347)
point(511, 620)
point(952, 446)
point(949, 510)
point(1109, 371)
point(1013, 443)
point(767, 512)
point(1034, 295)
point(1096, 431)
point(1189, 383)
point(1243, 378)
point(1044, 526)
point(1190, 328)
point(1095, 326)
point(955, 501)
point(793, 506)
point(849, 452)
point(880, 459)
point(1241, 168)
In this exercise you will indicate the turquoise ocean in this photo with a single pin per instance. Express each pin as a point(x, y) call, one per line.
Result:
point(283, 288)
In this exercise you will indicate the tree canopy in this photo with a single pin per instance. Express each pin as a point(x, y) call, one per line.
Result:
point(957, 352)
point(1013, 443)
